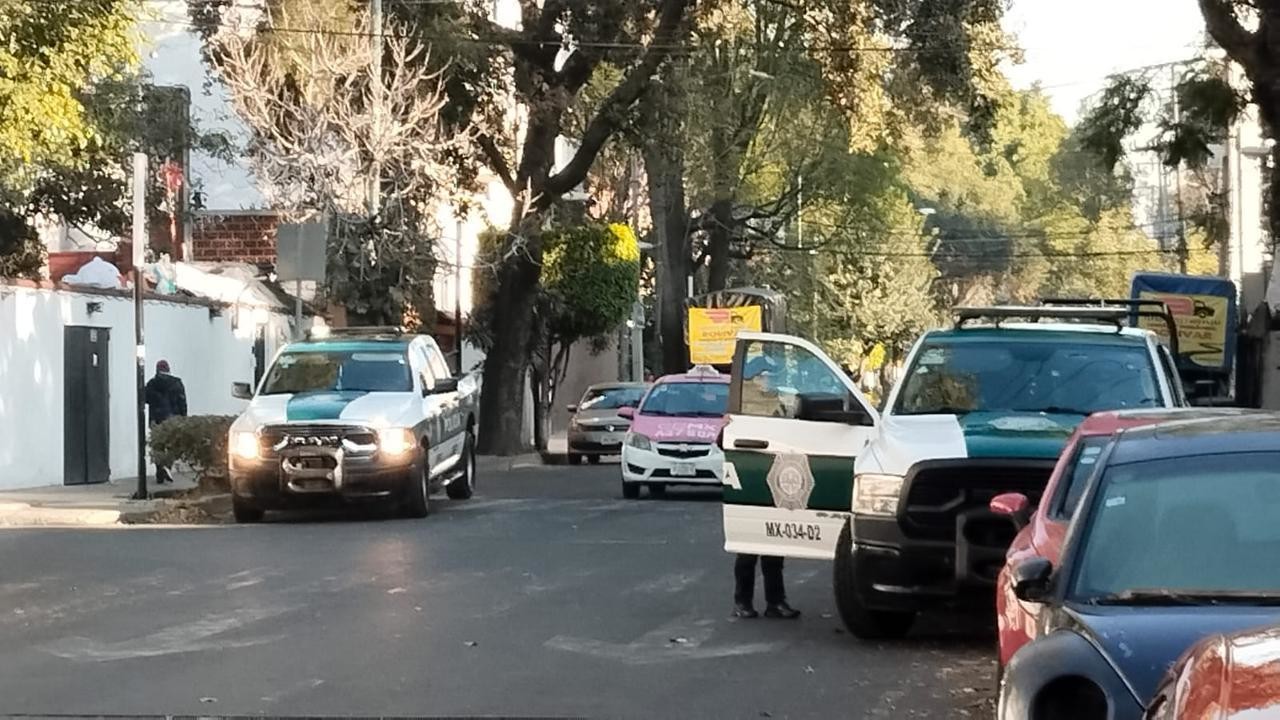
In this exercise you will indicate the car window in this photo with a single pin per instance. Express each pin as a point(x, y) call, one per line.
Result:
point(775, 376)
point(949, 376)
point(341, 371)
point(1204, 523)
point(1171, 371)
point(439, 367)
point(687, 399)
point(423, 365)
point(1074, 477)
point(611, 398)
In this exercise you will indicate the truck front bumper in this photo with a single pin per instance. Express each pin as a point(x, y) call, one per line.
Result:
point(320, 476)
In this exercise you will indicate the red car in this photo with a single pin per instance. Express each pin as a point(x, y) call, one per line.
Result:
point(1223, 677)
point(1043, 528)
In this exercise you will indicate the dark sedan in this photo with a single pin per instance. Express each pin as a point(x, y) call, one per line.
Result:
point(1175, 540)
point(596, 429)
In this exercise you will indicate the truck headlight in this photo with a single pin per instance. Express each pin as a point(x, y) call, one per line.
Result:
point(395, 441)
point(245, 445)
point(638, 441)
point(875, 494)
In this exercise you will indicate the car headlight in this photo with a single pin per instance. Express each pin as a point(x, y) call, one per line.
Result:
point(638, 441)
point(395, 441)
point(245, 445)
point(875, 494)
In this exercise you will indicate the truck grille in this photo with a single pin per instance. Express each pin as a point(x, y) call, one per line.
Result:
point(938, 491)
point(327, 436)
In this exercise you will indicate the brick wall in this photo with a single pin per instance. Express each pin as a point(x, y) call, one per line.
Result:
point(234, 237)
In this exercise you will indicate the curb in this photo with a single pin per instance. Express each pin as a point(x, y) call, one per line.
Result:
point(207, 503)
point(14, 515)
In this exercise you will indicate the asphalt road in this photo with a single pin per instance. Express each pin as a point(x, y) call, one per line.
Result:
point(546, 595)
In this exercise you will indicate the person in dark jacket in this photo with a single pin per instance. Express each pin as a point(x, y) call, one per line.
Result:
point(166, 398)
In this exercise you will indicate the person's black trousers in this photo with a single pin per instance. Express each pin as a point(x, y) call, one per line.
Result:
point(744, 577)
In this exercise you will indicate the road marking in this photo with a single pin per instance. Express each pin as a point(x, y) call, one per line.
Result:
point(182, 638)
point(681, 639)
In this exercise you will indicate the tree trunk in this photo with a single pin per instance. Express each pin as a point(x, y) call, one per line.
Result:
point(718, 243)
point(664, 165)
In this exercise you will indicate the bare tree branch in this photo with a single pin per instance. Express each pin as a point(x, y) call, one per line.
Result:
point(497, 162)
point(1224, 25)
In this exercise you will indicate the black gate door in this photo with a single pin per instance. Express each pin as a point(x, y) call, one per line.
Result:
point(86, 402)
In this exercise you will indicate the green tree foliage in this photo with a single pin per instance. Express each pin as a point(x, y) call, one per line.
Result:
point(22, 254)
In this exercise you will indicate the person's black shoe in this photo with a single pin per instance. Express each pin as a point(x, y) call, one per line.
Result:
point(781, 611)
point(746, 612)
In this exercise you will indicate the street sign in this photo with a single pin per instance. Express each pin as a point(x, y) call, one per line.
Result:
point(300, 250)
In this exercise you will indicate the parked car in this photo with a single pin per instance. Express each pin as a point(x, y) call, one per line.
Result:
point(984, 407)
point(1233, 676)
point(673, 433)
point(360, 414)
point(596, 429)
point(1175, 539)
point(1043, 524)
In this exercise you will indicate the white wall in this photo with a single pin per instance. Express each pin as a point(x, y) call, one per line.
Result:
point(206, 352)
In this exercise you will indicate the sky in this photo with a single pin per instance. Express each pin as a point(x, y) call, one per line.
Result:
point(1072, 45)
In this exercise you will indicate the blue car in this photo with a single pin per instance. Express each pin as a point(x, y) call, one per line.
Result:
point(1176, 539)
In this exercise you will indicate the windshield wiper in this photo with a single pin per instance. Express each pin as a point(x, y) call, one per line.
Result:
point(941, 410)
point(1144, 596)
point(1056, 410)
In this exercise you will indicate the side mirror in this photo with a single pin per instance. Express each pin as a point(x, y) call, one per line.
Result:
point(627, 412)
point(1014, 506)
point(242, 391)
point(571, 407)
point(831, 408)
point(444, 385)
point(1031, 579)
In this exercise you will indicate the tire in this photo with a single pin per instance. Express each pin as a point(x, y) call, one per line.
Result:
point(657, 489)
point(862, 622)
point(575, 459)
point(630, 491)
point(462, 488)
point(593, 459)
point(245, 513)
point(418, 498)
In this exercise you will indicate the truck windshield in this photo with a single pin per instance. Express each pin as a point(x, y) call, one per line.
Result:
point(338, 371)
point(1027, 376)
point(687, 399)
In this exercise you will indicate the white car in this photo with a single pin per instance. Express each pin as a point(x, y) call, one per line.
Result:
point(362, 414)
point(672, 439)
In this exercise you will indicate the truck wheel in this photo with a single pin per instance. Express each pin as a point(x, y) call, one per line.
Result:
point(630, 491)
point(245, 513)
point(464, 486)
point(417, 499)
point(861, 621)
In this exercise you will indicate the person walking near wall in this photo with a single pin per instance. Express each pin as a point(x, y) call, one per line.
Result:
point(166, 398)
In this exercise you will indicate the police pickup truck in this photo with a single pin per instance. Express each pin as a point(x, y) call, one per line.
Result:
point(350, 415)
point(899, 498)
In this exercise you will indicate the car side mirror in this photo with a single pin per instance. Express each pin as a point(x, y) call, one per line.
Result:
point(1031, 579)
point(627, 412)
point(831, 408)
point(1014, 506)
point(242, 391)
point(444, 385)
point(571, 407)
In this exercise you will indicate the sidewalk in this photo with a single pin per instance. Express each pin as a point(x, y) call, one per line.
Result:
point(557, 453)
point(107, 503)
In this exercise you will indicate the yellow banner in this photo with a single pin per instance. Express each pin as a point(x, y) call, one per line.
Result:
point(1201, 321)
point(712, 332)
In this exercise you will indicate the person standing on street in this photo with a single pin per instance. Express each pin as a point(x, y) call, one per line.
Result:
point(166, 398)
point(744, 588)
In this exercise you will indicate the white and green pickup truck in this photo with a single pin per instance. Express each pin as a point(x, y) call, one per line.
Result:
point(898, 498)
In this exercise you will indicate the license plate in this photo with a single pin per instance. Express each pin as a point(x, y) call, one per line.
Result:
point(793, 531)
point(611, 441)
point(683, 470)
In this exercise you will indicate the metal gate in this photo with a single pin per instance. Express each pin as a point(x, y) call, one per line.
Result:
point(86, 406)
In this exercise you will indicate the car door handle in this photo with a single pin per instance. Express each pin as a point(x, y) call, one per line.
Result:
point(749, 444)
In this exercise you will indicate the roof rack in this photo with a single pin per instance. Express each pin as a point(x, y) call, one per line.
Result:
point(1036, 313)
point(1134, 308)
point(368, 331)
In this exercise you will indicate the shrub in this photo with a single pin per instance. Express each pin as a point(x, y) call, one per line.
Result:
point(199, 442)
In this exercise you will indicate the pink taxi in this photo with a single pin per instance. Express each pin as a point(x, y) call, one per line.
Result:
point(673, 433)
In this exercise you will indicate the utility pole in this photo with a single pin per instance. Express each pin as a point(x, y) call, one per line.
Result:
point(457, 293)
point(1177, 173)
point(140, 348)
point(375, 179)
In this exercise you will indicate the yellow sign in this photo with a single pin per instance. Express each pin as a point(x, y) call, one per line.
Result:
point(1201, 321)
point(712, 332)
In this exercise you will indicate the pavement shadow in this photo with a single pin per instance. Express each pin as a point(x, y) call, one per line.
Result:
point(683, 494)
point(357, 513)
